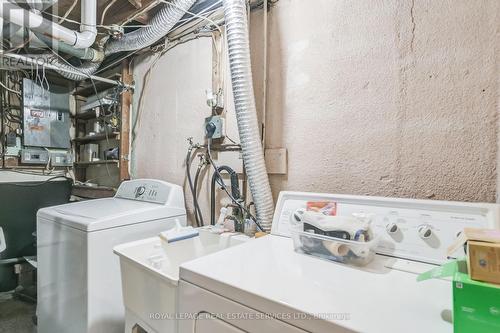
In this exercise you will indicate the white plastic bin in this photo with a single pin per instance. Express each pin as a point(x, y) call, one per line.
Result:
point(335, 249)
point(150, 274)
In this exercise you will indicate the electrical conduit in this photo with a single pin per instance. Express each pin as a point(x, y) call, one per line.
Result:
point(246, 113)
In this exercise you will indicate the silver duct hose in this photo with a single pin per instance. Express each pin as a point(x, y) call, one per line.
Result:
point(86, 69)
point(156, 28)
point(246, 113)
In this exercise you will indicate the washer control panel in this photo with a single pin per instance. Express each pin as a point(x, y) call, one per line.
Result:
point(412, 229)
point(148, 190)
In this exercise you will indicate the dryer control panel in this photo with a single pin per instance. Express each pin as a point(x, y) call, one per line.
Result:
point(412, 229)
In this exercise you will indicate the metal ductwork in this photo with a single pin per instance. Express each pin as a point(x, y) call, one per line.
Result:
point(69, 71)
point(156, 28)
point(246, 113)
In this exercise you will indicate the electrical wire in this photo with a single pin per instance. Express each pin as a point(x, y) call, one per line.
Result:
point(187, 20)
point(106, 10)
point(234, 142)
point(193, 14)
point(40, 183)
point(102, 69)
point(220, 181)
point(107, 27)
point(70, 9)
point(11, 118)
point(201, 165)
point(184, 21)
point(96, 93)
point(197, 211)
point(145, 80)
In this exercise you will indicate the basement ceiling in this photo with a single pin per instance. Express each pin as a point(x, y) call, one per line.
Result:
point(119, 11)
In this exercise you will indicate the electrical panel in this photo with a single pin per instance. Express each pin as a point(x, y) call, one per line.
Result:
point(46, 115)
point(218, 122)
point(61, 158)
point(34, 156)
point(13, 146)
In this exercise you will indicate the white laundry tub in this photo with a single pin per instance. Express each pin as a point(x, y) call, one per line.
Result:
point(150, 274)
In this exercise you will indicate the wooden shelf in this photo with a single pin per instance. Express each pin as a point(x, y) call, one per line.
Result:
point(90, 114)
point(90, 192)
point(86, 164)
point(120, 137)
point(86, 89)
point(97, 137)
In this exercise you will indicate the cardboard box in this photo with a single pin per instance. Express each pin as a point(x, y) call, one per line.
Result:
point(483, 253)
point(483, 261)
point(474, 234)
point(476, 305)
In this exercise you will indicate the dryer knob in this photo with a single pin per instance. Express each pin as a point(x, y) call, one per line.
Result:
point(425, 231)
point(392, 228)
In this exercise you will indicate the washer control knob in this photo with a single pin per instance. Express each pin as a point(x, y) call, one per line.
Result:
point(392, 228)
point(425, 231)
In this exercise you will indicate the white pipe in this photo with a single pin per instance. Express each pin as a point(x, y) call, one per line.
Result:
point(41, 61)
point(159, 25)
point(36, 22)
point(89, 23)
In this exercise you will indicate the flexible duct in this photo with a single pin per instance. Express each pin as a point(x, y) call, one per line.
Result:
point(246, 113)
point(157, 28)
point(86, 69)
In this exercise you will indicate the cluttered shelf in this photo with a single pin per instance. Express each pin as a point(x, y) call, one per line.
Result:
point(92, 192)
point(97, 137)
point(100, 162)
point(87, 115)
point(88, 88)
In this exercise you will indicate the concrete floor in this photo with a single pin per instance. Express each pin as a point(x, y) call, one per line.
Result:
point(16, 316)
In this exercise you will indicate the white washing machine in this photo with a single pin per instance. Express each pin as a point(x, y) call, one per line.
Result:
point(265, 286)
point(79, 285)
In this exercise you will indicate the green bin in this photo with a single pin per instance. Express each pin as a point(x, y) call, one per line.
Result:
point(476, 305)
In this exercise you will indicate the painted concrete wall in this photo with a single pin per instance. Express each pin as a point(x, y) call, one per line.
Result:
point(173, 109)
point(394, 98)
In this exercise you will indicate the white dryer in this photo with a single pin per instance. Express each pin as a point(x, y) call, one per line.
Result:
point(265, 286)
point(79, 285)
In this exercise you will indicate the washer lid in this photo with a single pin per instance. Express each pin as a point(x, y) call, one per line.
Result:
point(107, 213)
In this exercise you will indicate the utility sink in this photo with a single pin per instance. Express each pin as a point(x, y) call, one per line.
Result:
point(150, 275)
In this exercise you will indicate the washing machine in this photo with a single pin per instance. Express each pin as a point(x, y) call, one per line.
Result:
point(79, 285)
point(267, 286)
